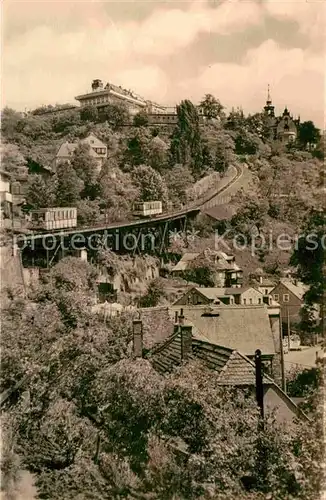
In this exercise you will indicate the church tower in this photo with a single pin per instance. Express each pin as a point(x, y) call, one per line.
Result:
point(269, 108)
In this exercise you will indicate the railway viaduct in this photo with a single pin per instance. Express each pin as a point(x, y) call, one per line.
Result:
point(138, 236)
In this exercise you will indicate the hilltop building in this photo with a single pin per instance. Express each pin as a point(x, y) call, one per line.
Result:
point(98, 151)
point(283, 129)
point(101, 96)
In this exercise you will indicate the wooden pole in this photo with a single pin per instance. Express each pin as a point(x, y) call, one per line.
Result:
point(259, 383)
point(289, 326)
point(282, 358)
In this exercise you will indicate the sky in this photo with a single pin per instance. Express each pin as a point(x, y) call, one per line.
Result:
point(167, 51)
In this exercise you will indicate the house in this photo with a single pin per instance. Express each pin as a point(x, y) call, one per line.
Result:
point(231, 367)
point(283, 129)
point(265, 285)
point(98, 151)
point(227, 273)
point(5, 195)
point(245, 328)
point(290, 295)
point(241, 296)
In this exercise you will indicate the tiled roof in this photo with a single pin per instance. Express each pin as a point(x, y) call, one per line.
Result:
point(182, 265)
point(298, 290)
point(245, 328)
point(233, 368)
point(239, 370)
point(222, 261)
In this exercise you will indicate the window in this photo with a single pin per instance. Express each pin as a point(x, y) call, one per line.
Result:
point(244, 301)
point(266, 291)
point(259, 301)
point(276, 297)
point(250, 301)
point(286, 297)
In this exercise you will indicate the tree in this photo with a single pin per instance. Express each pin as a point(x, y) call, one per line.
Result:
point(138, 147)
point(309, 256)
point(69, 185)
point(155, 292)
point(42, 192)
point(13, 162)
point(62, 122)
point(116, 114)
point(178, 183)
point(158, 154)
point(89, 114)
point(212, 108)
point(117, 194)
point(308, 134)
point(140, 119)
point(186, 146)
point(88, 212)
point(86, 168)
point(150, 184)
point(236, 120)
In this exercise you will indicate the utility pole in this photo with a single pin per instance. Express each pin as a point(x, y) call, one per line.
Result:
point(259, 383)
point(282, 358)
point(288, 315)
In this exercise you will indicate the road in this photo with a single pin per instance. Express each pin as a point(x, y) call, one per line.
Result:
point(306, 358)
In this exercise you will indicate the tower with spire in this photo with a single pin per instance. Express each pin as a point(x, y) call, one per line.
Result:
point(283, 129)
point(269, 108)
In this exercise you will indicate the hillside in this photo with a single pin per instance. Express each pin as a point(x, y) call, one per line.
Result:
point(146, 162)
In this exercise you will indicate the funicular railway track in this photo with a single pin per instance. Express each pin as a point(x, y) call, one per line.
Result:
point(168, 216)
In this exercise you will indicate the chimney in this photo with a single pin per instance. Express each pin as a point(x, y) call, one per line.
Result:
point(137, 338)
point(261, 280)
point(186, 341)
point(181, 318)
point(176, 317)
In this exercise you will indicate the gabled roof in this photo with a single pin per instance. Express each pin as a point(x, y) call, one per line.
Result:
point(222, 260)
point(234, 369)
point(66, 149)
point(298, 289)
point(245, 328)
point(97, 143)
point(182, 265)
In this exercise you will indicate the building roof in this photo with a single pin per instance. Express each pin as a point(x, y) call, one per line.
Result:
point(222, 260)
point(233, 368)
point(93, 141)
point(298, 289)
point(245, 328)
point(266, 282)
point(182, 265)
point(67, 148)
